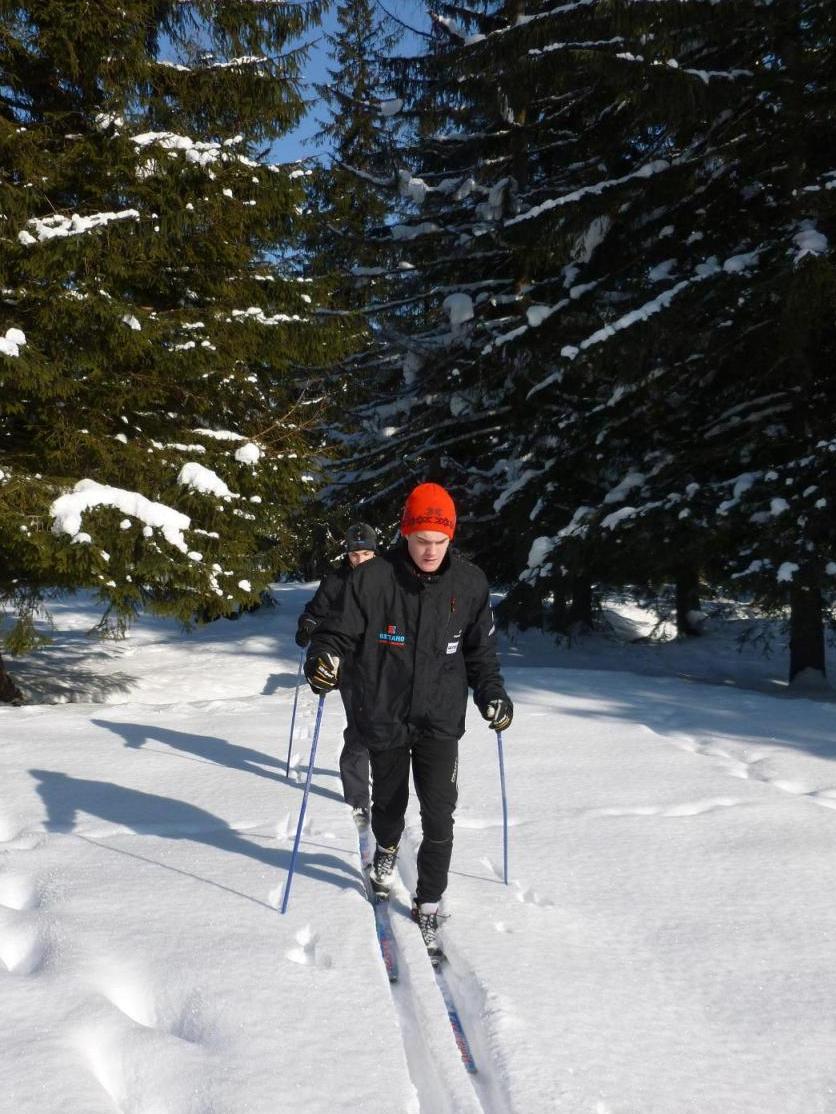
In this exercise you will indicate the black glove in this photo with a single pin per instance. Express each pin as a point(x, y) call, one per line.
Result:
point(306, 627)
point(498, 712)
point(322, 672)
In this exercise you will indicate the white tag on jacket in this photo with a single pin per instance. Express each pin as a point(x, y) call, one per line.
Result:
point(452, 647)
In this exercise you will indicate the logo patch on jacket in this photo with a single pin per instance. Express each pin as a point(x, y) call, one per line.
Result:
point(453, 645)
point(392, 636)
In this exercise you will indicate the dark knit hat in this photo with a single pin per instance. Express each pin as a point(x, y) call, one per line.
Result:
point(360, 535)
point(429, 507)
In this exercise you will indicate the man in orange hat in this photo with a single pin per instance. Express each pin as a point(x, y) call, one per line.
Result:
point(417, 627)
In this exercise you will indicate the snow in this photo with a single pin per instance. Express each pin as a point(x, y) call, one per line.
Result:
point(459, 308)
point(199, 478)
point(12, 342)
point(809, 241)
point(535, 315)
point(620, 492)
point(58, 226)
point(248, 454)
point(66, 511)
point(786, 571)
point(413, 231)
point(220, 434)
point(657, 166)
point(664, 943)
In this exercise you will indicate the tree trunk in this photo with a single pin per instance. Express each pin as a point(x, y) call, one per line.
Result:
point(580, 611)
point(806, 626)
point(687, 602)
point(9, 692)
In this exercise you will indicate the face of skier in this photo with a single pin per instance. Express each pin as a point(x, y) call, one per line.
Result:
point(427, 549)
point(358, 556)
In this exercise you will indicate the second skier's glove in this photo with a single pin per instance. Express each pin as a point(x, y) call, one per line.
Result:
point(323, 672)
point(498, 712)
point(304, 630)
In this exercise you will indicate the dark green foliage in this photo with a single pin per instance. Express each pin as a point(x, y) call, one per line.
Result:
point(631, 206)
point(142, 235)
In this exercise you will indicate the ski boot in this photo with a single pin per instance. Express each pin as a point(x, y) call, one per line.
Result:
point(382, 872)
point(425, 916)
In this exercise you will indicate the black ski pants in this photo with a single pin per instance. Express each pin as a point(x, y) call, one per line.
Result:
point(354, 758)
point(435, 765)
point(354, 771)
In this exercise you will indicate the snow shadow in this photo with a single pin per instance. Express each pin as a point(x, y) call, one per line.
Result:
point(57, 681)
point(276, 681)
point(208, 748)
point(677, 707)
point(141, 813)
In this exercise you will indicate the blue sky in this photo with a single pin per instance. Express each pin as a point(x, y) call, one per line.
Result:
point(293, 145)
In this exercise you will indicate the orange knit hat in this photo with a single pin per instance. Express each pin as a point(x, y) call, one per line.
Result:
point(429, 507)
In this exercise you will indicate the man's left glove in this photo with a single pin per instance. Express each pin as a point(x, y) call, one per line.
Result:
point(304, 630)
point(323, 672)
point(498, 712)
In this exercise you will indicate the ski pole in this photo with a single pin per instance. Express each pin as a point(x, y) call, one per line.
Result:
point(296, 841)
point(293, 716)
point(504, 808)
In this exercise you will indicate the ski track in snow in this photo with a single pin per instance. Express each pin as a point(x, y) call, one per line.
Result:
point(469, 993)
point(438, 1076)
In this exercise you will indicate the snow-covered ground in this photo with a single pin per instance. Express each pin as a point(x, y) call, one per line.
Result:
point(666, 943)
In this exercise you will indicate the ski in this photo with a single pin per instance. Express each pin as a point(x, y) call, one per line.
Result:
point(389, 951)
point(455, 1019)
point(382, 918)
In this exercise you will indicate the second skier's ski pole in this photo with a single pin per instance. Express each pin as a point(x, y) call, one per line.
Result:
point(293, 716)
point(299, 826)
point(504, 808)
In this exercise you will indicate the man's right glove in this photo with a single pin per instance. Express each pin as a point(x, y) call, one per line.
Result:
point(322, 672)
point(498, 712)
point(305, 629)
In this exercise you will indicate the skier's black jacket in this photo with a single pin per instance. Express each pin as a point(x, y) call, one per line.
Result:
point(412, 643)
point(328, 594)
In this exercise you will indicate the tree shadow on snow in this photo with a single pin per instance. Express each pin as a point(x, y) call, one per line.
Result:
point(208, 748)
point(679, 707)
point(64, 797)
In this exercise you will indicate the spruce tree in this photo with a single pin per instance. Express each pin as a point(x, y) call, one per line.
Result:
point(348, 201)
point(153, 320)
point(617, 290)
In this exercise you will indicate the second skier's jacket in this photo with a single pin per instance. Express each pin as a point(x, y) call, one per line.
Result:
point(412, 643)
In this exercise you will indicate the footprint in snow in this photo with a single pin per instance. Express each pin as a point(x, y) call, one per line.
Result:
point(23, 948)
point(305, 952)
point(18, 891)
point(13, 838)
point(144, 1069)
point(170, 1010)
point(530, 896)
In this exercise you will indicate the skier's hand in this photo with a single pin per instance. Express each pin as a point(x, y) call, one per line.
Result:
point(498, 712)
point(323, 672)
point(306, 627)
